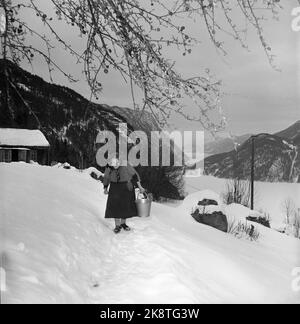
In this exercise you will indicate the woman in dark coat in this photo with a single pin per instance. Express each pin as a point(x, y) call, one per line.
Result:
point(121, 181)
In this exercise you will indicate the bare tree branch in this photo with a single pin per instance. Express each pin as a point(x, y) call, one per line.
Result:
point(131, 37)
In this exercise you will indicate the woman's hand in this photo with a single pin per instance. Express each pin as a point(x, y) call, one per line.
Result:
point(142, 190)
point(105, 191)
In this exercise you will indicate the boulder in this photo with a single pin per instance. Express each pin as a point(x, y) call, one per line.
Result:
point(260, 220)
point(216, 220)
point(191, 201)
point(67, 166)
point(207, 202)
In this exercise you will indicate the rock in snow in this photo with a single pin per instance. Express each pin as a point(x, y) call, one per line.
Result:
point(191, 202)
point(58, 248)
point(216, 220)
point(207, 202)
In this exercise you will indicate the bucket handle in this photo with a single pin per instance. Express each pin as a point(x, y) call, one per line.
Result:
point(145, 195)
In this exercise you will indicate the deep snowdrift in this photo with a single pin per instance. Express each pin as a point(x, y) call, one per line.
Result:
point(57, 248)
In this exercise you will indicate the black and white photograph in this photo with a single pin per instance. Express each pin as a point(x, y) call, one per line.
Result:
point(149, 154)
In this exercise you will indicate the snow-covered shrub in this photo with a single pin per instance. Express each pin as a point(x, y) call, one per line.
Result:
point(232, 223)
point(67, 166)
point(33, 162)
point(237, 192)
point(293, 228)
point(243, 230)
point(55, 164)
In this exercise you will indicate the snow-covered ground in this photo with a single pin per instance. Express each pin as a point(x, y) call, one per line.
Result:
point(269, 197)
point(56, 247)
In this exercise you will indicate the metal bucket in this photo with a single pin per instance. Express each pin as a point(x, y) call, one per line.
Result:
point(143, 204)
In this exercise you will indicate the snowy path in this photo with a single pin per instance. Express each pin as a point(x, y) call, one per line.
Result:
point(59, 249)
point(137, 267)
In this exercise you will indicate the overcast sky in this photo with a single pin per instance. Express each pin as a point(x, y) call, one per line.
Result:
point(257, 99)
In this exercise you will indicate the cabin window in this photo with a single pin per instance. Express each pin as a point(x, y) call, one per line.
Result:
point(22, 155)
point(33, 155)
point(5, 156)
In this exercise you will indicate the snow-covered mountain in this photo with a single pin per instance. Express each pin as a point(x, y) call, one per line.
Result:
point(224, 145)
point(277, 158)
point(292, 133)
point(56, 247)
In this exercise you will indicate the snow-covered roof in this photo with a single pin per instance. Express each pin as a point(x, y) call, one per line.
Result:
point(22, 137)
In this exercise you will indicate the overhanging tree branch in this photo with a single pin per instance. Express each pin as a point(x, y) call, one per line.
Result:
point(132, 38)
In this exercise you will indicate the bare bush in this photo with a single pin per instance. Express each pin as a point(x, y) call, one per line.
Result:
point(296, 223)
point(289, 208)
point(232, 223)
point(244, 230)
point(238, 192)
point(292, 217)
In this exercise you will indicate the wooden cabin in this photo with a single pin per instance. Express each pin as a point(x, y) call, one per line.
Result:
point(24, 145)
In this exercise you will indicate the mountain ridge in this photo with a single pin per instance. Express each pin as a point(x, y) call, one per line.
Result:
point(292, 132)
point(277, 158)
point(223, 145)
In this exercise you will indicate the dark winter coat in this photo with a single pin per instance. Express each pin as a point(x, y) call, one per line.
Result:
point(122, 174)
point(121, 196)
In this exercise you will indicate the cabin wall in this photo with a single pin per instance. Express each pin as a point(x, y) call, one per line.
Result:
point(39, 155)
